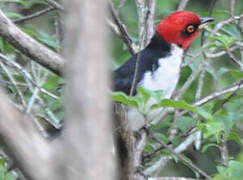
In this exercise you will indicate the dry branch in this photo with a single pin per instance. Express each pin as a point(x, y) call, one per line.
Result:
point(25, 144)
point(34, 15)
point(29, 46)
point(122, 29)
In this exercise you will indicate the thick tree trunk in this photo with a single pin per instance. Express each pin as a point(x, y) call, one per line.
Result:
point(87, 130)
point(84, 151)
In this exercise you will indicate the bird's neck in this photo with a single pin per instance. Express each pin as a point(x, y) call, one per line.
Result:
point(159, 42)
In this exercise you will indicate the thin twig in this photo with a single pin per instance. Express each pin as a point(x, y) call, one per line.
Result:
point(170, 178)
point(55, 4)
point(163, 159)
point(225, 22)
point(221, 53)
point(232, 8)
point(224, 150)
point(134, 80)
point(139, 148)
point(182, 5)
point(215, 95)
point(122, 28)
point(237, 62)
point(26, 75)
point(179, 156)
point(34, 15)
point(122, 3)
point(192, 59)
point(190, 80)
point(11, 78)
point(146, 13)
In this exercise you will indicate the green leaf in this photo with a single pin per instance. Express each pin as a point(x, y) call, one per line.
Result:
point(237, 74)
point(183, 105)
point(1, 44)
point(212, 129)
point(157, 95)
point(47, 39)
point(176, 104)
point(206, 146)
point(144, 99)
point(162, 137)
point(161, 125)
point(148, 148)
point(123, 98)
point(232, 30)
point(224, 40)
point(145, 94)
point(9, 176)
point(13, 15)
point(235, 137)
point(185, 123)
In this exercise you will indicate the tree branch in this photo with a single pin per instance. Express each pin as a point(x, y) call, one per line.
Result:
point(122, 28)
point(182, 5)
point(29, 150)
point(170, 178)
point(34, 15)
point(29, 46)
point(55, 4)
point(180, 157)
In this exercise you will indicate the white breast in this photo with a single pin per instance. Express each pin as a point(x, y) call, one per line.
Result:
point(165, 78)
point(167, 75)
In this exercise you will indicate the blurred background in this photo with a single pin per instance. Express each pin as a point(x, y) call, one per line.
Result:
point(21, 77)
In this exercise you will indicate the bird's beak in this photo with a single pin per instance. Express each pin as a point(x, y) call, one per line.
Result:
point(205, 21)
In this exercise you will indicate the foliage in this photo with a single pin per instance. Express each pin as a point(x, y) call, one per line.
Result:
point(35, 90)
point(5, 174)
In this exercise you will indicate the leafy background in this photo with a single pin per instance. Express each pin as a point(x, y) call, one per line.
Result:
point(35, 90)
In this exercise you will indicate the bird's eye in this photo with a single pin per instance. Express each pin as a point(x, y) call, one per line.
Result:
point(190, 29)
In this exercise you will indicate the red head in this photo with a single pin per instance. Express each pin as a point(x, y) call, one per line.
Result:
point(181, 28)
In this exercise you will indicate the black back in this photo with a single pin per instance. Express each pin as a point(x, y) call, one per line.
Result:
point(148, 61)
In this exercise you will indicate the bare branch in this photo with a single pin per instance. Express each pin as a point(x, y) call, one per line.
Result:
point(55, 4)
point(122, 3)
point(122, 28)
point(124, 143)
point(215, 95)
point(140, 145)
point(29, 150)
point(232, 8)
point(182, 5)
point(29, 46)
point(188, 162)
point(224, 151)
point(34, 15)
point(170, 178)
point(146, 11)
point(236, 61)
point(190, 80)
point(164, 159)
point(11, 78)
point(225, 22)
point(151, 7)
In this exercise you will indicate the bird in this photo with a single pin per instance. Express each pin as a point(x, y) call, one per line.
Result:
point(160, 61)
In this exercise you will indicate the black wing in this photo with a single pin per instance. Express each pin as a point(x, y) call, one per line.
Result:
point(148, 61)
